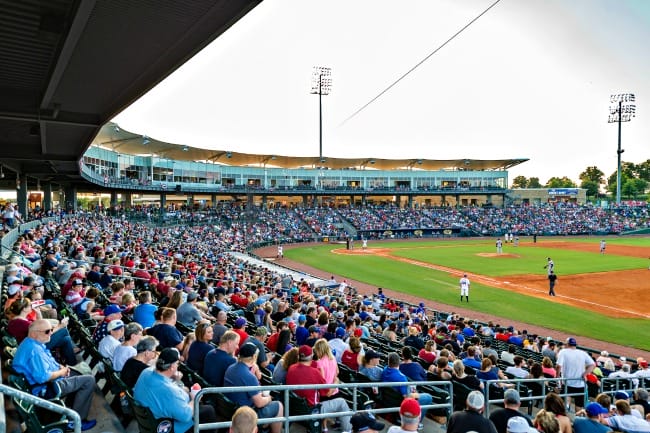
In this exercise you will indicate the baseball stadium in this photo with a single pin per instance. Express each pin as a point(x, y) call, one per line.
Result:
point(153, 286)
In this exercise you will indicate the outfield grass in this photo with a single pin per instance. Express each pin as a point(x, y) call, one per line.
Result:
point(440, 287)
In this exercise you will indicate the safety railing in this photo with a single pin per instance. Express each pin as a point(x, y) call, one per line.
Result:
point(445, 386)
point(73, 416)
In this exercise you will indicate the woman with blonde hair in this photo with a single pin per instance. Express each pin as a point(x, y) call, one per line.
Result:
point(175, 300)
point(468, 380)
point(546, 422)
point(326, 362)
point(547, 367)
point(289, 358)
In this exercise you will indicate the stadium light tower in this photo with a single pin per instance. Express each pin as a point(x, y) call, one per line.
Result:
point(622, 110)
point(321, 84)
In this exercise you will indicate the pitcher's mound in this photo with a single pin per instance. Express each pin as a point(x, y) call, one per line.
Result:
point(502, 255)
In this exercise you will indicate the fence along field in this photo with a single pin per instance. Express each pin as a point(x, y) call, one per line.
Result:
point(601, 296)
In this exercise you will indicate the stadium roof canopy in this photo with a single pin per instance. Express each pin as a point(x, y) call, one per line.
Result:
point(115, 138)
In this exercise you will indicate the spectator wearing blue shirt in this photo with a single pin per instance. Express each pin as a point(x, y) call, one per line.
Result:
point(47, 377)
point(157, 390)
point(392, 374)
point(144, 312)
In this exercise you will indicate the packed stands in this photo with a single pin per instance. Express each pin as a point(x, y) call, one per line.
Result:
point(118, 260)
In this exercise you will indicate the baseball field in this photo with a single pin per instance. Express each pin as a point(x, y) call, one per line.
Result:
point(605, 297)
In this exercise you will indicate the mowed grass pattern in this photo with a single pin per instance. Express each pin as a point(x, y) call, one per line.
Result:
point(429, 284)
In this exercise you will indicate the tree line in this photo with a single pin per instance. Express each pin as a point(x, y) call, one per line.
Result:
point(635, 179)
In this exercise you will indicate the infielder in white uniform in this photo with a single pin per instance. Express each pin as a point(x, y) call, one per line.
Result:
point(549, 266)
point(464, 288)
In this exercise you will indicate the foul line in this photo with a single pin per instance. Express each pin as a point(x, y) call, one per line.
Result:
point(495, 283)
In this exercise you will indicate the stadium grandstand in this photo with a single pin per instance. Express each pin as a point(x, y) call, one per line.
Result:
point(123, 318)
point(115, 261)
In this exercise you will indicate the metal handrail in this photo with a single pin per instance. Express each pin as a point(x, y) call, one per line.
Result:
point(444, 385)
point(71, 414)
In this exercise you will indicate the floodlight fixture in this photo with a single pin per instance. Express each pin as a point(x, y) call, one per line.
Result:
point(185, 148)
point(145, 140)
point(321, 84)
point(622, 110)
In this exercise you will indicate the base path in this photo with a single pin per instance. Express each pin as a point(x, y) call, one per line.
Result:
point(530, 285)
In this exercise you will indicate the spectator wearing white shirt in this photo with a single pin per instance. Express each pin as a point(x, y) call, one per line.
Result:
point(108, 344)
point(126, 350)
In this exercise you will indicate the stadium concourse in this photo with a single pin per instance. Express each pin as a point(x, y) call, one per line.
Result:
point(95, 269)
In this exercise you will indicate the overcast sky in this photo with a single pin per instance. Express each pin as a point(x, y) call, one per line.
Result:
point(528, 79)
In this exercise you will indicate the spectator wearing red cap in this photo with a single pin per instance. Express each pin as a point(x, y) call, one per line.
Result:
point(240, 329)
point(304, 373)
point(409, 414)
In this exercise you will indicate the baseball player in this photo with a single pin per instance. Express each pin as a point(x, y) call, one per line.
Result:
point(464, 288)
point(549, 266)
point(499, 245)
point(602, 246)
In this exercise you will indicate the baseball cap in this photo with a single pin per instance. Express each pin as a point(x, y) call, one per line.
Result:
point(302, 318)
point(305, 353)
point(511, 396)
point(114, 325)
point(362, 422)
point(12, 279)
point(410, 408)
point(475, 400)
point(12, 268)
point(240, 322)
point(51, 252)
point(13, 289)
point(571, 341)
point(621, 395)
point(192, 296)
point(313, 329)
point(248, 350)
point(595, 409)
point(112, 309)
point(518, 424)
point(643, 363)
point(371, 354)
point(340, 332)
point(169, 355)
point(77, 282)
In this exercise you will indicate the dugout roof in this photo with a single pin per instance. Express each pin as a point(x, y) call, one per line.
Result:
point(69, 66)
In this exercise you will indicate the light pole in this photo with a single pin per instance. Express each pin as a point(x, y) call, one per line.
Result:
point(623, 110)
point(321, 84)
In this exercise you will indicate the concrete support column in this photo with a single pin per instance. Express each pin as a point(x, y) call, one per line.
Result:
point(21, 195)
point(163, 202)
point(213, 200)
point(410, 201)
point(113, 199)
point(264, 205)
point(398, 201)
point(127, 199)
point(47, 196)
point(70, 199)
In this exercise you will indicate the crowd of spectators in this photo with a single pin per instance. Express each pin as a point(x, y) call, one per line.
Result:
point(182, 290)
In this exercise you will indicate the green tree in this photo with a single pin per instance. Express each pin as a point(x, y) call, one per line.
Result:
point(519, 182)
point(563, 182)
point(643, 170)
point(633, 187)
point(594, 174)
point(533, 182)
point(591, 186)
